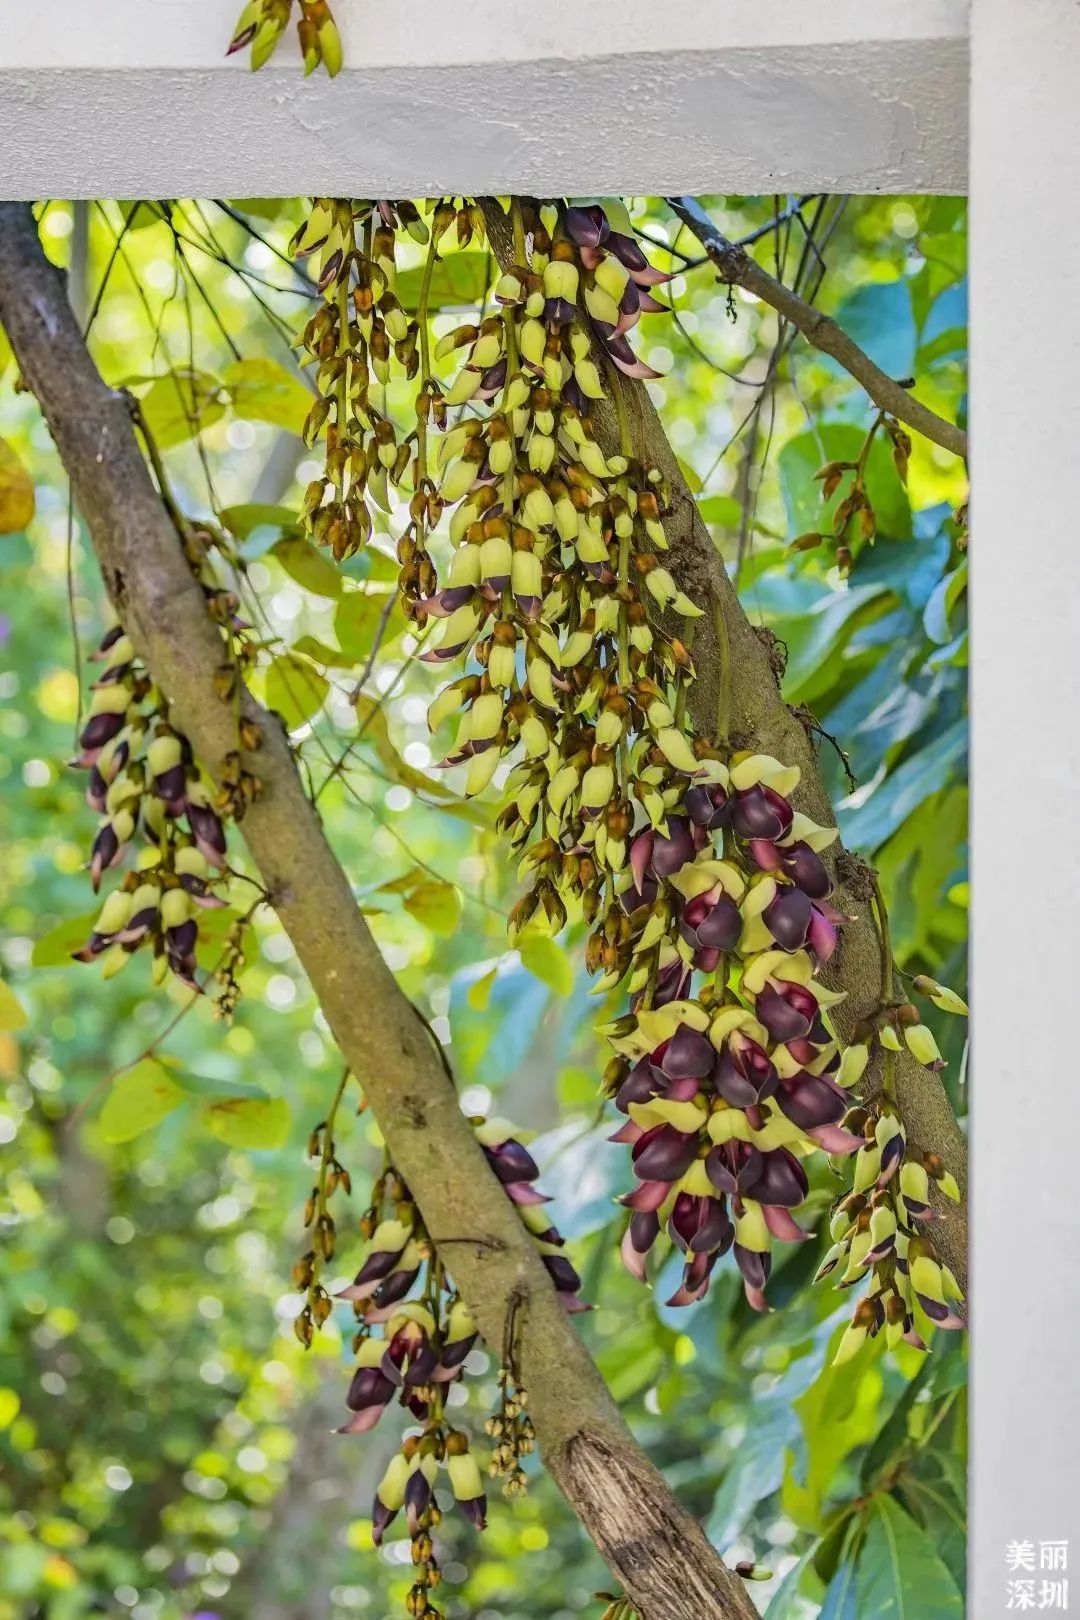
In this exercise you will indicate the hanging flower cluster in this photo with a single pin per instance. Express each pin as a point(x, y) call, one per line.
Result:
point(262, 23)
point(414, 1334)
point(355, 338)
point(880, 1229)
point(144, 780)
point(682, 860)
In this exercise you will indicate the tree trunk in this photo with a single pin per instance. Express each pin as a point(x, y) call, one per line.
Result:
point(656, 1550)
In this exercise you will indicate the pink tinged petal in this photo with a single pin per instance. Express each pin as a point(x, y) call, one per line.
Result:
point(781, 1224)
point(688, 1296)
point(627, 361)
point(356, 1291)
point(629, 1133)
point(572, 1304)
point(520, 1192)
point(755, 1298)
point(640, 855)
point(822, 935)
point(650, 305)
point(361, 1422)
point(834, 1139)
point(649, 1195)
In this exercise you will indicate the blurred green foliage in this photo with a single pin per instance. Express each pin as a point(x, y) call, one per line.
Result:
point(164, 1444)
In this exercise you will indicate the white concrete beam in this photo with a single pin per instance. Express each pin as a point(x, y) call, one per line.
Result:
point(134, 98)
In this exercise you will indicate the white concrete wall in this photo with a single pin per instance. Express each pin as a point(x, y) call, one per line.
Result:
point(135, 98)
point(1025, 365)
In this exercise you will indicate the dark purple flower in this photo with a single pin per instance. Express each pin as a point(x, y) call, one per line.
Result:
point(759, 812)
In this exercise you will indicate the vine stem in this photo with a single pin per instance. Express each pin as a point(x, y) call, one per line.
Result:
point(888, 986)
point(723, 649)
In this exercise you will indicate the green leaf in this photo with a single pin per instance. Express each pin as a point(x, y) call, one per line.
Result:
point(308, 566)
point(900, 1576)
point(356, 619)
point(139, 1100)
point(12, 1011)
point(205, 1085)
point(244, 520)
point(264, 391)
point(801, 458)
point(547, 962)
point(248, 1122)
point(179, 405)
point(54, 948)
point(295, 689)
point(839, 1600)
point(868, 825)
point(457, 280)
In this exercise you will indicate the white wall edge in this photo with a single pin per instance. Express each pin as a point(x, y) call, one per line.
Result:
point(134, 98)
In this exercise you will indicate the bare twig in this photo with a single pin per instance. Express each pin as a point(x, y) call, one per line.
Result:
point(738, 269)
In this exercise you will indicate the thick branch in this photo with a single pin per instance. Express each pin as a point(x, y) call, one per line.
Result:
point(656, 1549)
point(736, 267)
point(759, 718)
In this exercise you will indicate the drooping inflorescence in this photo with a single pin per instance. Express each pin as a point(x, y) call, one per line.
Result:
point(160, 812)
point(413, 1336)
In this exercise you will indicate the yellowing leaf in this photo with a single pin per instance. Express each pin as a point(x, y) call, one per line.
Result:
point(12, 1012)
point(435, 904)
point(547, 962)
point(138, 1101)
point(263, 391)
point(248, 1122)
point(296, 690)
point(16, 492)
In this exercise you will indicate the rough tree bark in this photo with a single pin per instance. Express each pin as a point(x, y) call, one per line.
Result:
point(730, 653)
point(653, 1546)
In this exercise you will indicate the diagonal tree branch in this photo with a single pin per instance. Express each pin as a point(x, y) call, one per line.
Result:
point(737, 268)
point(657, 1550)
point(739, 678)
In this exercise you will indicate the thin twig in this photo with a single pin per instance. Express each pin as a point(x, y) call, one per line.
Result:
point(737, 268)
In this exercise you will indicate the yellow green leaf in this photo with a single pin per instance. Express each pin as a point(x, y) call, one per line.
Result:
point(12, 1012)
point(479, 992)
point(178, 405)
point(264, 391)
point(138, 1100)
point(548, 962)
point(248, 1122)
point(295, 689)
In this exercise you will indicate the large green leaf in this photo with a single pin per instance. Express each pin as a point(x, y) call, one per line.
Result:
point(900, 1575)
point(867, 825)
point(459, 280)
